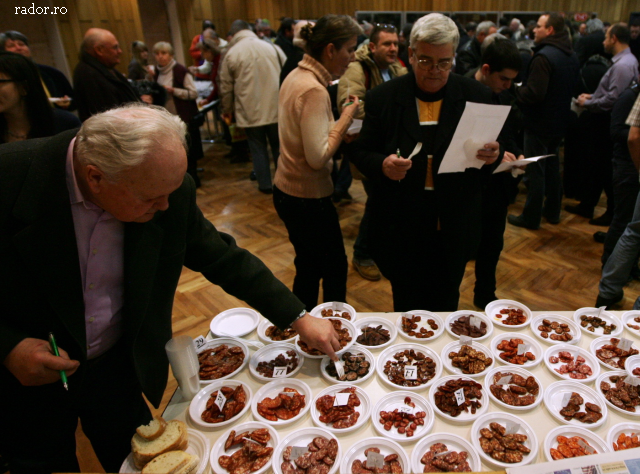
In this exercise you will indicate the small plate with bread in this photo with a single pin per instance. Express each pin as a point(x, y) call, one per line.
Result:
point(163, 446)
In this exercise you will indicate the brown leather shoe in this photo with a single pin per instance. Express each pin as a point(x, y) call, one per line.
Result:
point(367, 269)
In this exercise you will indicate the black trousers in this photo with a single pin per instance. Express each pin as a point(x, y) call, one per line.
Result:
point(314, 231)
point(598, 162)
point(495, 203)
point(38, 424)
point(625, 192)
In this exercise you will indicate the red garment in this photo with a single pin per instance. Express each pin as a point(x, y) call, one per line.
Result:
point(196, 54)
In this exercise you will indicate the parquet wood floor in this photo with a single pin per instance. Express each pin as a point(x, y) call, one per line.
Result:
point(554, 268)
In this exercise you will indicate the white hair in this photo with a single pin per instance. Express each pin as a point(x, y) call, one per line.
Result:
point(124, 137)
point(490, 39)
point(484, 27)
point(436, 29)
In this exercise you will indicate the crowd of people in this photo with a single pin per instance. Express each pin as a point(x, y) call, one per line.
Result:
point(97, 222)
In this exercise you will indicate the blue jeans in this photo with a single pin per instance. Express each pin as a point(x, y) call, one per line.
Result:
point(543, 178)
point(615, 272)
point(257, 138)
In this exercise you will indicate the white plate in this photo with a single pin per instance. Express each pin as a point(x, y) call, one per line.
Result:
point(424, 315)
point(317, 311)
point(198, 445)
point(456, 314)
point(218, 447)
point(534, 348)
point(272, 389)
point(364, 408)
point(595, 441)
point(604, 377)
point(303, 437)
point(269, 353)
point(496, 306)
point(388, 353)
point(394, 400)
point(386, 447)
point(455, 346)
point(590, 360)
point(553, 400)
point(199, 403)
point(375, 322)
point(236, 322)
point(355, 349)
point(345, 324)
point(453, 442)
point(632, 363)
point(262, 329)
point(464, 417)
point(607, 316)
point(627, 428)
point(231, 343)
point(628, 318)
point(503, 418)
point(603, 341)
point(575, 329)
point(488, 381)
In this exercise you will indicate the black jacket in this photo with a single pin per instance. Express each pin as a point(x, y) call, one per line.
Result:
point(468, 56)
point(98, 88)
point(40, 282)
point(545, 97)
point(391, 122)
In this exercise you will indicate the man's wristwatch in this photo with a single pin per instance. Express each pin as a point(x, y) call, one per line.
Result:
point(304, 311)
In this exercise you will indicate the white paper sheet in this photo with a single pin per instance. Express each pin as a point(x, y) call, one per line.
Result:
point(479, 124)
point(504, 166)
point(355, 127)
point(576, 108)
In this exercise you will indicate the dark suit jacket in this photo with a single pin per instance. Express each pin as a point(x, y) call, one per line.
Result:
point(391, 122)
point(98, 88)
point(40, 283)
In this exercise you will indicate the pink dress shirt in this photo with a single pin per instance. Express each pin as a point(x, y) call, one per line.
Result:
point(100, 240)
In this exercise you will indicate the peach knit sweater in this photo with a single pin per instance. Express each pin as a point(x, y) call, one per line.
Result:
point(309, 136)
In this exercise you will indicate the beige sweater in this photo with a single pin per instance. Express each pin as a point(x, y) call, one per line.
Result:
point(309, 136)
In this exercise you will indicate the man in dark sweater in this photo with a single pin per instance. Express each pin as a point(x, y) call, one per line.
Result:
point(98, 86)
point(545, 100)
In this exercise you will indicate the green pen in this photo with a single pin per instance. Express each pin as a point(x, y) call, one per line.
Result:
point(54, 347)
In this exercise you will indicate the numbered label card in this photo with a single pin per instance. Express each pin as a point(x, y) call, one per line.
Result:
point(625, 344)
point(466, 341)
point(220, 400)
point(586, 447)
point(375, 460)
point(406, 409)
point(504, 380)
point(443, 453)
point(565, 399)
point(460, 398)
point(634, 381)
point(339, 368)
point(523, 349)
point(511, 427)
point(338, 306)
point(297, 451)
point(199, 341)
point(411, 373)
point(475, 321)
point(341, 399)
point(279, 372)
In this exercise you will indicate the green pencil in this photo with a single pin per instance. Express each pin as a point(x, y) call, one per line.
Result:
point(54, 346)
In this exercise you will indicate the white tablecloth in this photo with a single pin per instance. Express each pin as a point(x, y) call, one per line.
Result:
point(539, 418)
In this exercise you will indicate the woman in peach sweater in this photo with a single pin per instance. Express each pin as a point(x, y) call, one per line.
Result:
point(309, 137)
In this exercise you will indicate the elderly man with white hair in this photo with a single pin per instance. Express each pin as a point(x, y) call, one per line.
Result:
point(469, 55)
point(424, 226)
point(96, 226)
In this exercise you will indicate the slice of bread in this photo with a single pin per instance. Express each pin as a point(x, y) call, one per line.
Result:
point(168, 463)
point(190, 467)
point(173, 438)
point(153, 430)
